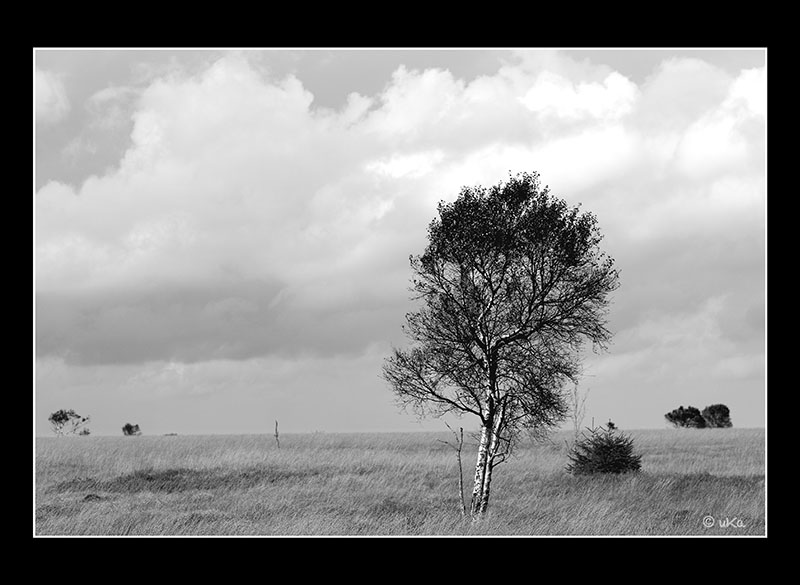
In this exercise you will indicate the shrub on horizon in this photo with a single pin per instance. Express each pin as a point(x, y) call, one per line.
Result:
point(717, 416)
point(130, 430)
point(689, 417)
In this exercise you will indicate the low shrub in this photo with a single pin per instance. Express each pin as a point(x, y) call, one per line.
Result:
point(603, 450)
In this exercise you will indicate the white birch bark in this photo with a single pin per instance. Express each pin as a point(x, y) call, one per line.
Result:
point(491, 451)
point(480, 472)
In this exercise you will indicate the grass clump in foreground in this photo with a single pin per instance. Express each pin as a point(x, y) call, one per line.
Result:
point(390, 484)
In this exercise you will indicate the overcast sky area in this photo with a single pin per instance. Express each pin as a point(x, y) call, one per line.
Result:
point(222, 237)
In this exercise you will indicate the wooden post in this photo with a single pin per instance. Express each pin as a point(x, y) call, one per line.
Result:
point(458, 446)
point(460, 471)
point(277, 440)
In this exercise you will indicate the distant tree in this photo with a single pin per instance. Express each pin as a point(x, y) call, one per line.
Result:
point(68, 422)
point(85, 432)
point(603, 451)
point(717, 416)
point(131, 430)
point(511, 283)
point(688, 417)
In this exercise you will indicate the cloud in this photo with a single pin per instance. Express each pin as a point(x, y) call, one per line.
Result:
point(242, 223)
point(111, 107)
point(52, 104)
point(730, 136)
point(223, 395)
point(679, 92)
point(190, 324)
point(749, 91)
point(412, 165)
point(77, 148)
point(112, 93)
point(554, 95)
point(234, 226)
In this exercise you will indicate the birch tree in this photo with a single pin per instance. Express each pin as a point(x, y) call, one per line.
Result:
point(510, 287)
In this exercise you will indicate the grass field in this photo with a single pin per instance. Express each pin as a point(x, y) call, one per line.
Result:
point(391, 484)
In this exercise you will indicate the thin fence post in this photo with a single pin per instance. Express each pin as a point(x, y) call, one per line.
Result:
point(458, 446)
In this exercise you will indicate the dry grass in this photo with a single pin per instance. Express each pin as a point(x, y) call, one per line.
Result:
point(389, 484)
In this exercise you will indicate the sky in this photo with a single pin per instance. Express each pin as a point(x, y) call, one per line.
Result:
point(221, 237)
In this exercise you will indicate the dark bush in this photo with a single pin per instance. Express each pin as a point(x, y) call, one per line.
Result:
point(130, 430)
point(688, 417)
point(717, 416)
point(603, 450)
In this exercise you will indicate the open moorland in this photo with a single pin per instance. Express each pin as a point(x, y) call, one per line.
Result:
point(708, 482)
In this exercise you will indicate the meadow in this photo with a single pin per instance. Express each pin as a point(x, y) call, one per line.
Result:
point(385, 484)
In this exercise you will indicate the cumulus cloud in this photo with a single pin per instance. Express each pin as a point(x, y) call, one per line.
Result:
point(750, 90)
point(679, 92)
point(52, 103)
point(554, 95)
point(244, 224)
point(730, 136)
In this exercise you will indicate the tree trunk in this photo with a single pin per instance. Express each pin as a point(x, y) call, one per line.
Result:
point(487, 480)
point(491, 451)
point(487, 476)
point(481, 467)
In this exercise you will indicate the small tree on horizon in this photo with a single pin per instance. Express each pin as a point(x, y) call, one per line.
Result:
point(68, 422)
point(511, 284)
point(130, 430)
point(689, 417)
point(714, 416)
point(717, 416)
